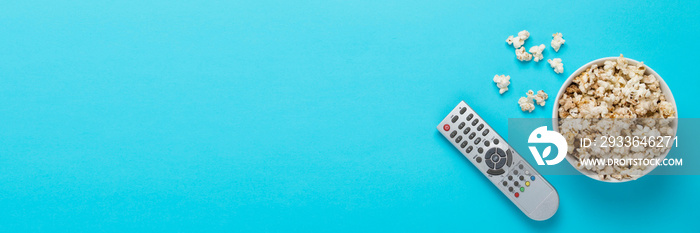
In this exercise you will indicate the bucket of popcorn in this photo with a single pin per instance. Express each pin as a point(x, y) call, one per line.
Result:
point(618, 117)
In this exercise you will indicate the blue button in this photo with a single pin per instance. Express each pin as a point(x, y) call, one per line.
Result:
point(532, 178)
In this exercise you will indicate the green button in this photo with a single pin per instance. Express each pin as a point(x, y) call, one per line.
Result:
point(522, 189)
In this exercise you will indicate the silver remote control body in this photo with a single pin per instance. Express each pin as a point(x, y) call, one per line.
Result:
point(497, 160)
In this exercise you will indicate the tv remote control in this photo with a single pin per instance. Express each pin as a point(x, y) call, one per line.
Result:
point(497, 160)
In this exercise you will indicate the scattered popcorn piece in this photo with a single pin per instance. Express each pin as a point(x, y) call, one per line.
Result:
point(502, 81)
point(515, 41)
point(526, 104)
point(557, 41)
point(524, 34)
point(519, 40)
point(557, 65)
point(537, 52)
point(522, 55)
point(541, 97)
point(530, 94)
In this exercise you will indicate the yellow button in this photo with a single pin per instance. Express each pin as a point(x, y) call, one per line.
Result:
point(527, 183)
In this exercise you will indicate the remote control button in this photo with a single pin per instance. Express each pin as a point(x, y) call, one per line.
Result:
point(520, 166)
point(495, 141)
point(477, 140)
point(464, 144)
point(469, 150)
point(515, 172)
point(527, 173)
point(480, 127)
point(487, 143)
point(466, 131)
point(478, 159)
point(489, 163)
point(453, 134)
point(454, 119)
point(495, 172)
point(491, 151)
point(470, 116)
point(509, 157)
point(516, 183)
point(510, 177)
point(471, 136)
point(446, 127)
point(480, 150)
point(495, 158)
point(501, 153)
point(461, 125)
point(461, 111)
point(476, 121)
point(486, 132)
point(505, 183)
point(501, 162)
point(510, 189)
point(522, 178)
point(517, 195)
point(522, 189)
point(532, 178)
point(527, 183)
point(458, 139)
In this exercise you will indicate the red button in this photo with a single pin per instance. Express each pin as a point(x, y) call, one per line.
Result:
point(517, 194)
point(446, 127)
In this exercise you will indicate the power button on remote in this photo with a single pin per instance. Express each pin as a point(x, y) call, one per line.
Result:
point(446, 127)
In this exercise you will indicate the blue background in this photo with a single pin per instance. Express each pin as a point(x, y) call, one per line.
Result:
point(304, 116)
